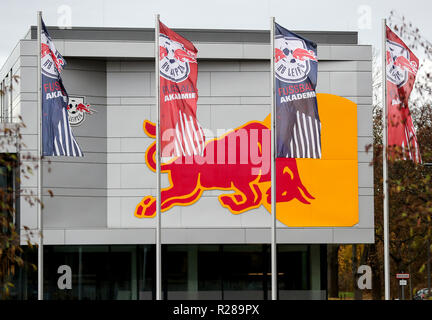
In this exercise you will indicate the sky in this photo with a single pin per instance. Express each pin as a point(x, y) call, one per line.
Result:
point(364, 16)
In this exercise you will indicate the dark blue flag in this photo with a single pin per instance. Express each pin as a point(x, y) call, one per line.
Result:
point(298, 126)
point(57, 137)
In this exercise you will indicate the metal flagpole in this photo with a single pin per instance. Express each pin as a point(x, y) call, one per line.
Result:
point(39, 190)
point(385, 171)
point(158, 173)
point(273, 168)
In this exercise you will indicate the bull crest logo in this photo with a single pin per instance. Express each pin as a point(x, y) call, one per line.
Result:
point(398, 63)
point(77, 110)
point(174, 59)
point(193, 175)
point(292, 59)
point(52, 62)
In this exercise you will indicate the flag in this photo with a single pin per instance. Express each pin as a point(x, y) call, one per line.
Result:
point(401, 70)
point(57, 136)
point(181, 134)
point(298, 126)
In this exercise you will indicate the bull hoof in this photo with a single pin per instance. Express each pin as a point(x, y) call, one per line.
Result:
point(236, 203)
point(231, 199)
point(238, 198)
point(227, 201)
point(146, 208)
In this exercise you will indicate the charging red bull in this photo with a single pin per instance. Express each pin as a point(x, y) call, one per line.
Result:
point(226, 164)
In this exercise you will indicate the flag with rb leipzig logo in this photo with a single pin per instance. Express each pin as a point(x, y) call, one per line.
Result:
point(401, 70)
point(57, 136)
point(298, 126)
point(181, 134)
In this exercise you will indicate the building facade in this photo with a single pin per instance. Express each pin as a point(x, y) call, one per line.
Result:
point(208, 252)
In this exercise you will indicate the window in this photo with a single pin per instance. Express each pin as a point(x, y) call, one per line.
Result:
point(6, 98)
point(100, 272)
point(201, 272)
point(9, 186)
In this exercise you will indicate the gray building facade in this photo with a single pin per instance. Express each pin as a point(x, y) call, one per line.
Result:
point(92, 210)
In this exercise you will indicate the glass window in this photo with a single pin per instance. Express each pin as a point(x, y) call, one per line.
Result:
point(219, 272)
point(210, 266)
point(8, 185)
point(146, 272)
point(300, 272)
point(25, 280)
point(98, 272)
point(2, 92)
point(5, 98)
point(192, 272)
point(176, 274)
point(9, 229)
point(244, 272)
point(293, 271)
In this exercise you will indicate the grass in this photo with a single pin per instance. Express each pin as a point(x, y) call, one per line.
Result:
point(346, 295)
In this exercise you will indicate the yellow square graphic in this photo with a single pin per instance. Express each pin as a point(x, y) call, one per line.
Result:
point(333, 179)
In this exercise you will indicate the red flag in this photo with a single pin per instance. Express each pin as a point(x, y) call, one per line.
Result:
point(181, 134)
point(401, 69)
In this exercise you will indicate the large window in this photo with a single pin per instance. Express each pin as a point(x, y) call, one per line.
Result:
point(231, 272)
point(9, 214)
point(222, 272)
point(100, 272)
point(244, 271)
point(6, 97)
point(8, 184)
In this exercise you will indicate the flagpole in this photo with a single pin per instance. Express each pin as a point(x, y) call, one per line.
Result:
point(39, 187)
point(385, 171)
point(273, 168)
point(158, 165)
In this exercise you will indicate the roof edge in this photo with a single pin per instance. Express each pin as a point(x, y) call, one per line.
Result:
point(201, 35)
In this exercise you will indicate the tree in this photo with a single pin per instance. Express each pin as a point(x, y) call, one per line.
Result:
point(14, 165)
point(410, 188)
point(410, 192)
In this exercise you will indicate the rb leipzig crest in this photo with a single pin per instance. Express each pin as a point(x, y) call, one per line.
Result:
point(398, 63)
point(77, 110)
point(292, 59)
point(52, 62)
point(174, 59)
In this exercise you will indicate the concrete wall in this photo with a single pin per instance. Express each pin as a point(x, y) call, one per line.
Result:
point(95, 197)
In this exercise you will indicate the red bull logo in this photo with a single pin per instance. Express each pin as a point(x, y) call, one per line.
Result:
point(52, 62)
point(237, 161)
point(292, 59)
point(310, 192)
point(59, 61)
point(84, 108)
point(303, 54)
point(174, 59)
point(299, 53)
point(184, 55)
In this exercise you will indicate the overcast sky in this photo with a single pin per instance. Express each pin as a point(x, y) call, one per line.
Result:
point(364, 16)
